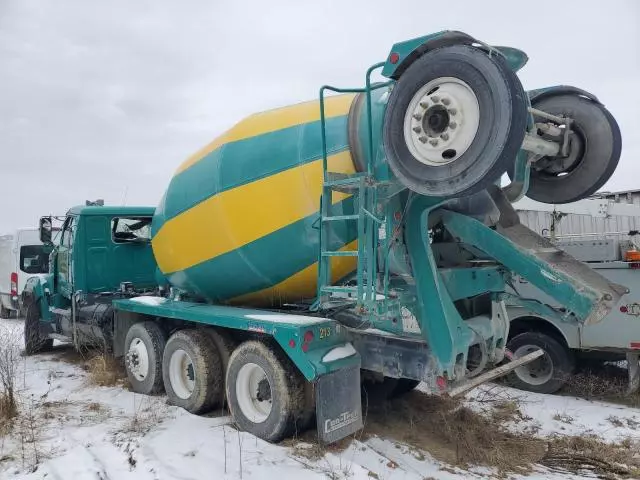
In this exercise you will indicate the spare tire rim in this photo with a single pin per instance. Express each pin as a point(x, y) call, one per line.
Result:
point(138, 359)
point(441, 121)
point(182, 374)
point(538, 372)
point(253, 391)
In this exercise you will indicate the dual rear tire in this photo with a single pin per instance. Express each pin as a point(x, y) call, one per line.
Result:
point(265, 393)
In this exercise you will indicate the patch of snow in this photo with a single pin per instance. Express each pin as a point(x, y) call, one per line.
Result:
point(286, 318)
point(148, 300)
point(337, 353)
point(559, 414)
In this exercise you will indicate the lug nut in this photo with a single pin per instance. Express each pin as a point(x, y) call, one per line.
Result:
point(417, 129)
point(444, 136)
point(433, 142)
point(453, 125)
point(424, 104)
point(452, 111)
point(435, 99)
point(446, 101)
point(423, 139)
point(417, 116)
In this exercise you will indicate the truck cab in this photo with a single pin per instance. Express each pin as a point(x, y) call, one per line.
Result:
point(101, 253)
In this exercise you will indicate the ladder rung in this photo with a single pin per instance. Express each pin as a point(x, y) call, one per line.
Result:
point(336, 180)
point(336, 218)
point(341, 253)
point(340, 289)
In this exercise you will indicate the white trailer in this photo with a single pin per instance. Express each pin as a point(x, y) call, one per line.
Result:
point(597, 231)
point(22, 256)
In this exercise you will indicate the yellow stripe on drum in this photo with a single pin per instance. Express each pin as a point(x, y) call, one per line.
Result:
point(302, 284)
point(273, 120)
point(244, 214)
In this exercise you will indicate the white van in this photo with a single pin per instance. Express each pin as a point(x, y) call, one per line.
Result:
point(21, 256)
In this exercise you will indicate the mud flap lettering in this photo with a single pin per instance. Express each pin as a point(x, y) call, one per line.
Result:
point(338, 405)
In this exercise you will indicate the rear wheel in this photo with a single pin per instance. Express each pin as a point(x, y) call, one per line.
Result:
point(455, 121)
point(144, 346)
point(192, 371)
point(34, 341)
point(594, 151)
point(265, 392)
point(546, 374)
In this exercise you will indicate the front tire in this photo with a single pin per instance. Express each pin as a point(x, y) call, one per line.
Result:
point(547, 374)
point(265, 392)
point(34, 341)
point(455, 121)
point(144, 346)
point(192, 371)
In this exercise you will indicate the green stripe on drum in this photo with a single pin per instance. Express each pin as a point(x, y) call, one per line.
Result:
point(267, 261)
point(244, 161)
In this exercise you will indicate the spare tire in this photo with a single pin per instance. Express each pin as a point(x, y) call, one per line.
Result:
point(455, 122)
point(594, 152)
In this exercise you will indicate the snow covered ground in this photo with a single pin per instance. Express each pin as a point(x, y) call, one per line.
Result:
point(73, 430)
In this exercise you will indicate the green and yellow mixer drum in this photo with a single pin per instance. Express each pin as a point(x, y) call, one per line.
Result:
point(239, 220)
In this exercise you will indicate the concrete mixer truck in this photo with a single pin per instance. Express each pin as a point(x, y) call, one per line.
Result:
point(360, 239)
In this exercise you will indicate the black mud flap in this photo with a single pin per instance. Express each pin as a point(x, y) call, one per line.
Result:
point(338, 404)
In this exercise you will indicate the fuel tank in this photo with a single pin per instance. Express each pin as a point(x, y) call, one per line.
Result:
point(239, 221)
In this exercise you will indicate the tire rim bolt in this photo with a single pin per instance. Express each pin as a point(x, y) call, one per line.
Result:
point(453, 125)
point(435, 99)
point(452, 111)
point(424, 105)
point(433, 142)
point(423, 139)
point(446, 101)
point(417, 116)
point(444, 136)
point(417, 129)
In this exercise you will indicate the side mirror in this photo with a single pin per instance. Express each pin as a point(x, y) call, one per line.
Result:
point(46, 230)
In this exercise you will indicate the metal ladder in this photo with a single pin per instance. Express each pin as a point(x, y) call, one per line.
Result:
point(362, 186)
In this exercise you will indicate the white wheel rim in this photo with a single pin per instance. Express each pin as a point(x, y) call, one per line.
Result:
point(441, 121)
point(253, 391)
point(182, 374)
point(538, 372)
point(138, 359)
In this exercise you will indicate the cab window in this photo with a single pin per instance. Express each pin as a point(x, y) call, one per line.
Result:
point(131, 229)
point(67, 232)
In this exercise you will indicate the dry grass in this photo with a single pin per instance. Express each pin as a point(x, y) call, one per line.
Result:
point(605, 382)
point(105, 371)
point(590, 455)
point(9, 362)
point(563, 418)
point(8, 412)
point(456, 435)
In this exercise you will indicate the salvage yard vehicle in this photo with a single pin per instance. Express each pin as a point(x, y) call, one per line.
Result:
point(293, 261)
point(567, 343)
point(21, 256)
